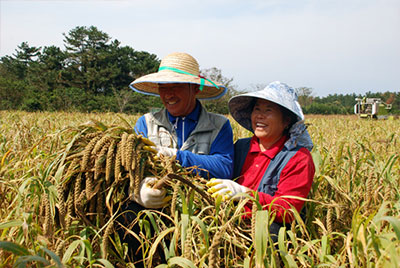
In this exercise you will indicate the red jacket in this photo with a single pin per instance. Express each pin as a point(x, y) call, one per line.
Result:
point(295, 178)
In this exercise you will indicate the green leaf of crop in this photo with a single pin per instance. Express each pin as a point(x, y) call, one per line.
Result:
point(23, 261)
point(395, 224)
point(70, 250)
point(13, 223)
point(14, 248)
point(53, 256)
point(106, 263)
point(181, 262)
point(261, 233)
point(203, 230)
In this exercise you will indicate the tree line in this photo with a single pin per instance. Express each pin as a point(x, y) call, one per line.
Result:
point(342, 103)
point(93, 71)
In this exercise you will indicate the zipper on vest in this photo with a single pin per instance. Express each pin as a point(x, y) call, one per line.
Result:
point(183, 130)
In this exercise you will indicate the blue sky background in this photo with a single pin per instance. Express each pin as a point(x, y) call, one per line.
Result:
point(332, 46)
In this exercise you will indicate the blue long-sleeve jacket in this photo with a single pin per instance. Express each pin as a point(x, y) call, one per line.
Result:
point(203, 139)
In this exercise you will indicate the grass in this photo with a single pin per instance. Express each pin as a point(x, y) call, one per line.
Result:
point(353, 217)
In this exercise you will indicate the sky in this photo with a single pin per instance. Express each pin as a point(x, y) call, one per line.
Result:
point(330, 46)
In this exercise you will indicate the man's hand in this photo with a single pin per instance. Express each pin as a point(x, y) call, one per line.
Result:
point(149, 197)
point(166, 151)
point(226, 188)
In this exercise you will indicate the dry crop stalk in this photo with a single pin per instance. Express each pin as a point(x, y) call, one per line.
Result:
point(175, 197)
point(134, 175)
point(188, 243)
point(47, 218)
point(134, 161)
point(213, 259)
point(118, 162)
point(368, 192)
point(388, 192)
point(107, 233)
point(129, 151)
point(123, 144)
point(99, 162)
point(78, 187)
point(87, 153)
point(329, 220)
point(70, 208)
point(254, 210)
point(337, 211)
point(131, 157)
point(161, 183)
point(92, 135)
point(61, 204)
point(101, 143)
point(203, 193)
point(79, 202)
point(92, 209)
point(72, 167)
point(89, 185)
point(74, 156)
point(131, 183)
point(110, 161)
point(79, 207)
point(169, 164)
point(377, 194)
point(60, 248)
point(139, 173)
point(100, 209)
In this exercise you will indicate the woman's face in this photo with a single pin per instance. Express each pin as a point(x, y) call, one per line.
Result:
point(268, 121)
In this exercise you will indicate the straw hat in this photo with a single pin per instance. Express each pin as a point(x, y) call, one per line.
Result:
point(178, 68)
point(241, 106)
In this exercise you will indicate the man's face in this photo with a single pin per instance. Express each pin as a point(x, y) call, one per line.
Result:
point(178, 99)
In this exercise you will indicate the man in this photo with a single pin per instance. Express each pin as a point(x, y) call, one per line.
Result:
point(183, 128)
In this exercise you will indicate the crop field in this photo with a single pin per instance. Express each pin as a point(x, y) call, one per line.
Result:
point(63, 177)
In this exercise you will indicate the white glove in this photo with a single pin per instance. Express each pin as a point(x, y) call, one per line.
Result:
point(149, 197)
point(166, 151)
point(226, 188)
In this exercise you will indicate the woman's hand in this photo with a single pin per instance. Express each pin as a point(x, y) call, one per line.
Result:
point(226, 188)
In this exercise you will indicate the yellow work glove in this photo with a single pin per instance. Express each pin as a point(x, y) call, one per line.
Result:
point(226, 188)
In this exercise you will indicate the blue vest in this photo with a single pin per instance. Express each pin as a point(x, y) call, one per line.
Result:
point(270, 179)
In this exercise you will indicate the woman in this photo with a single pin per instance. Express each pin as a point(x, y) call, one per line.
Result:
point(276, 162)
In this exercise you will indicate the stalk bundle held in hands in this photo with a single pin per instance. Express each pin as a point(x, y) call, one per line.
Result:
point(102, 167)
point(100, 164)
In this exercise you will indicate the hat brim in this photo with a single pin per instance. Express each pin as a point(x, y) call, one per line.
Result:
point(148, 84)
point(241, 107)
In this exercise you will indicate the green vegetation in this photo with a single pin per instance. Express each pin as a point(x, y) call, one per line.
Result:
point(92, 74)
point(353, 213)
point(342, 104)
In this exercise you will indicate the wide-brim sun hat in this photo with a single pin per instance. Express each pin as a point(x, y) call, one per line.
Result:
point(178, 68)
point(241, 106)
